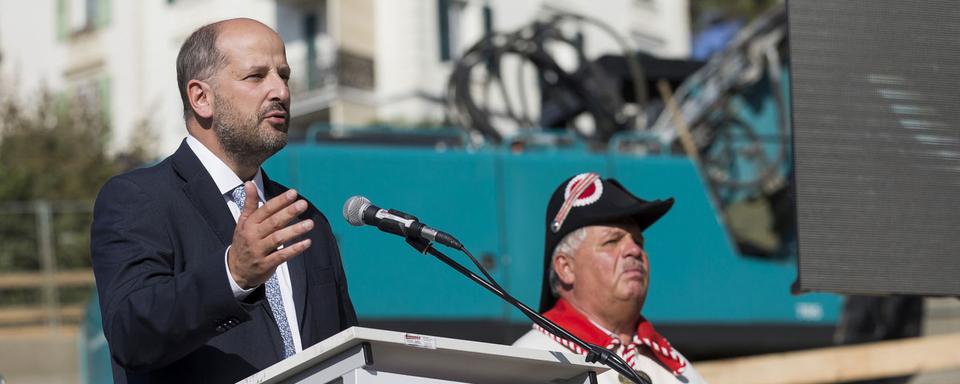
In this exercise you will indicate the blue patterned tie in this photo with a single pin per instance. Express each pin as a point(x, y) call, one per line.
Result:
point(273, 290)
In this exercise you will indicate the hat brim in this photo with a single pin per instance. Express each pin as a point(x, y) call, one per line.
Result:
point(644, 213)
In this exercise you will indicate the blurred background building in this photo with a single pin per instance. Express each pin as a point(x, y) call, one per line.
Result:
point(354, 61)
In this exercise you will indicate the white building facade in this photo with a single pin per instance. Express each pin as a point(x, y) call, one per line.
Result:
point(354, 61)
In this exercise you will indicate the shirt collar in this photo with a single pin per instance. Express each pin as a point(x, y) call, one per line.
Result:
point(609, 333)
point(577, 323)
point(222, 175)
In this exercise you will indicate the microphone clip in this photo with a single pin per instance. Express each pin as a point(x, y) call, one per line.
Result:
point(421, 245)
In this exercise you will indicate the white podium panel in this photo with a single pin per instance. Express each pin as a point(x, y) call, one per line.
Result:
point(363, 355)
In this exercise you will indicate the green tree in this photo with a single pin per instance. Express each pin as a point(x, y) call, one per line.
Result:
point(55, 149)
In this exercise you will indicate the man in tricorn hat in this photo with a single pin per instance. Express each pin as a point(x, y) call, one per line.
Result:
point(596, 274)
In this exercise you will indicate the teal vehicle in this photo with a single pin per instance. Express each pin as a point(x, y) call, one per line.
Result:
point(722, 260)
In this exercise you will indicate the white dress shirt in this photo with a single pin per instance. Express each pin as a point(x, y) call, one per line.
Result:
point(226, 181)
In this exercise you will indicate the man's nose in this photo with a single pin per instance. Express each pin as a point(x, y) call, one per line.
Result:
point(279, 90)
point(632, 249)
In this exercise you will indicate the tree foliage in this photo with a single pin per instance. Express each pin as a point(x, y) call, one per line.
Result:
point(54, 150)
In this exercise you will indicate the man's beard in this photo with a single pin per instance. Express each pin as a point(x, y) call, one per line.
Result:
point(240, 135)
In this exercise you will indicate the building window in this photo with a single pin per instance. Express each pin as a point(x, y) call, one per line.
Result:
point(487, 20)
point(450, 14)
point(310, 36)
point(311, 51)
point(78, 16)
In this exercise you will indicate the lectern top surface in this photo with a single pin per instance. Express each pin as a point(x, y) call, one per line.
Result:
point(438, 357)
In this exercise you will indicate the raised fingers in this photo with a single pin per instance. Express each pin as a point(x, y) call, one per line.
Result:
point(273, 206)
point(281, 219)
point(277, 238)
point(279, 256)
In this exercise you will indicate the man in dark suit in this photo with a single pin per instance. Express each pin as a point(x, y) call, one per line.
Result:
point(207, 270)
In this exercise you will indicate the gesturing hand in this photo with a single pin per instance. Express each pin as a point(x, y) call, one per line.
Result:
point(260, 231)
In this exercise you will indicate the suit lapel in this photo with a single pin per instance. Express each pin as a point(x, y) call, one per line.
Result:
point(204, 194)
point(297, 266)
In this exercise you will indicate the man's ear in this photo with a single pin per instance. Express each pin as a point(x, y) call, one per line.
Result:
point(563, 266)
point(200, 96)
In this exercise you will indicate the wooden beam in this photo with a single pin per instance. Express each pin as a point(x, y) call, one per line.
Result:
point(27, 315)
point(846, 363)
point(38, 279)
point(38, 332)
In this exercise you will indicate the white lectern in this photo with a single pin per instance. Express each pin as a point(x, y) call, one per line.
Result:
point(363, 355)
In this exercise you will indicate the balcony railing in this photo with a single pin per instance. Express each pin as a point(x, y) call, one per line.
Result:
point(321, 64)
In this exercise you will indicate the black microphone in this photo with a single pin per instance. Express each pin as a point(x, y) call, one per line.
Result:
point(358, 210)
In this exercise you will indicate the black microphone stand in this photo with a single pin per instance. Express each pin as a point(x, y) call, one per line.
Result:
point(595, 353)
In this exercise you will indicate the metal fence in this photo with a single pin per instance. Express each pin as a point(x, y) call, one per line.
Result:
point(45, 274)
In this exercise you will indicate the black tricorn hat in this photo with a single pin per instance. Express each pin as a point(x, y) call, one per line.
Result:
point(587, 199)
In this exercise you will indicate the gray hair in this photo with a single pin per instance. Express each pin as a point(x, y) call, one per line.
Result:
point(567, 246)
point(198, 59)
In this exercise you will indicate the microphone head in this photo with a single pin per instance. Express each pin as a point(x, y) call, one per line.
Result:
point(353, 209)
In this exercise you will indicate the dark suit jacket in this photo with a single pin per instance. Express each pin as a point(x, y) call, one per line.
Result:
point(158, 240)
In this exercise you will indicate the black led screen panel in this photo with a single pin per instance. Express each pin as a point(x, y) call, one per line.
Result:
point(876, 122)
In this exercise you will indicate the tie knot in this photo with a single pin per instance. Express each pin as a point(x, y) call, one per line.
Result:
point(239, 196)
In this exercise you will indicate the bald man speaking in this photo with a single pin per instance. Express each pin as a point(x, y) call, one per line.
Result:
point(207, 270)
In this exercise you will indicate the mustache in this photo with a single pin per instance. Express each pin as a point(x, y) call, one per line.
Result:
point(275, 106)
point(634, 264)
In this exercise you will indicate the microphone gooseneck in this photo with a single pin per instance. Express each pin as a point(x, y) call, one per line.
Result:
point(358, 211)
